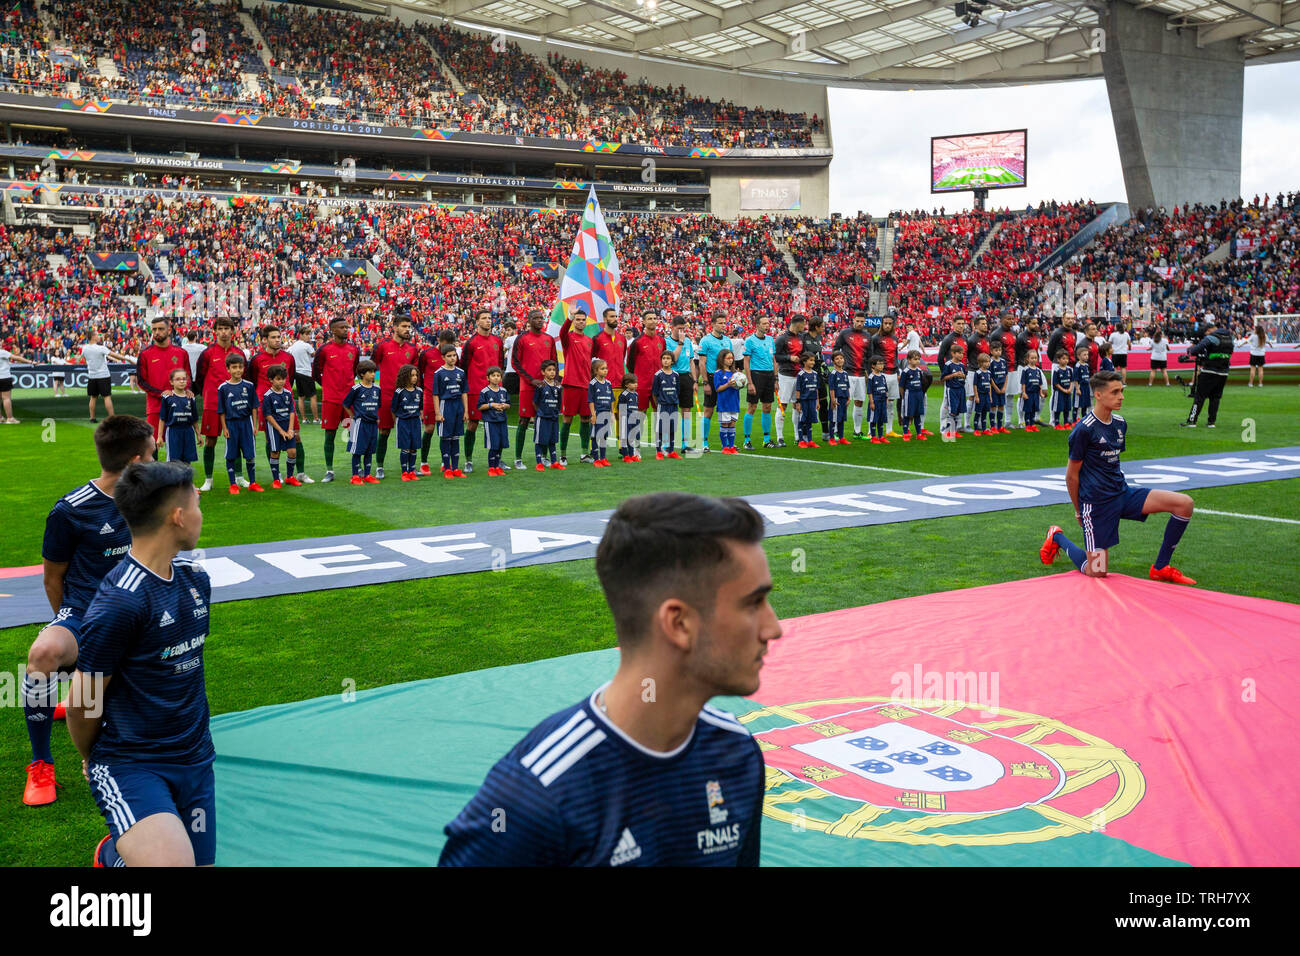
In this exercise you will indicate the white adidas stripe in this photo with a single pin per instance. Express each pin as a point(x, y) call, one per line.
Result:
point(131, 579)
point(80, 496)
point(734, 727)
point(1088, 538)
point(572, 757)
point(114, 802)
point(551, 738)
point(559, 749)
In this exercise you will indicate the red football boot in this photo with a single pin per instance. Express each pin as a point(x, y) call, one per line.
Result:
point(927, 433)
point(1004, 431)
point(425, 469)
point(921, 437)
point(1171, 574)
point(291, 480)
point(42, 788)
point(803, 444)
point(1050, 548)
point(673, 454)
point(254, 486)
point(356, 480)
point(907, 437)
point(558, 467)
point(370, 480)
point(540, 466)
point(659, 456)
point(813, 444)
point(234, 489)
point(275, 485)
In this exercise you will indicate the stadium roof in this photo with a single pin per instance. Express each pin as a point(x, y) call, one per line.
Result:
point(867, 42)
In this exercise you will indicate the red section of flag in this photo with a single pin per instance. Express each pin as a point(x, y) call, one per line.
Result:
point(21, 572)
point(1192, 691)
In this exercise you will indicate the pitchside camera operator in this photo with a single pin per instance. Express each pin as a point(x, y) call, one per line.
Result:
point(1212, 355)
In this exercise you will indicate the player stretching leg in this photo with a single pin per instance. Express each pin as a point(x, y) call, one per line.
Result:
point(138, 708)
point(1101, 496)
point(644, 772)
point(85, 537)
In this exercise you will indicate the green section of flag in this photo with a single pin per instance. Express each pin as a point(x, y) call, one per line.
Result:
point(371, 778)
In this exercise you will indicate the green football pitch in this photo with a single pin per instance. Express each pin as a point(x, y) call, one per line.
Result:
point(279, 649)
point(991, 175)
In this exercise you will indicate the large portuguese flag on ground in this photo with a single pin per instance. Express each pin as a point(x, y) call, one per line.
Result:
point(1058, 720)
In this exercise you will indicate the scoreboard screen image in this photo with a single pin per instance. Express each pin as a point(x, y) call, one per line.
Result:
point(978, 161)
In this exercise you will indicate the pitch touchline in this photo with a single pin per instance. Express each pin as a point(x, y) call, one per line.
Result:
point(1233, 514)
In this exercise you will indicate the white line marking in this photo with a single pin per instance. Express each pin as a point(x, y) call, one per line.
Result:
point(1234, 514)
point(842, 464)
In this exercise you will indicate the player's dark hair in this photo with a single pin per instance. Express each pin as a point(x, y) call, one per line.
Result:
point(596, 363)
point(549, 363)
point(446, 349)
point(880, 359)
point(304, 330)
point(816, 322)
point(1104, 348)
point(728, 353)
point(147, 490)
point(266, 330)
point(719, 316)
point(1104, 378)
point(493, 370)
point(161, 318)
point(839, 354)
point(447, 337)
point(995, 344)
point(407, 373)
point(1061, 354)
point(234, 358)
point(808, 357)
point(669, 544)
point(798, 318)
point(183, 371)
point(224, 322)
point(916, 354)
point(399, 317)
point(629, 380)
point(276, 371)
point(119, 438)
point(336, 320)
point(679, 320)
point(364, 366)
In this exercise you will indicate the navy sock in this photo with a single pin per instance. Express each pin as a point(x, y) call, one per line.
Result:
point(1078, 557)
point(1173, 534)
point(275, 469)
point(356, 465)
point(108, 855)
point(230, 469)
point(292, 463)
point(39, 699)
point(366, 462)
point(251, 469)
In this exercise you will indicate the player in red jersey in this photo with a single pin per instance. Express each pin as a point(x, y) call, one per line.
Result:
point(532, 348)
point(643, 356)
point(1027, 341)
point(579, 350)
point(389, 355)
point(259, 367)
point(885, 344)
point(208, 377)
point(335, 368)
point(611, 346)
point(481, 351)
point(1007, 337)
point(154, 367)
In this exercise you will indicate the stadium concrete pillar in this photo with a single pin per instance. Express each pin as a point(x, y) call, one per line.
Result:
point(1176, 106)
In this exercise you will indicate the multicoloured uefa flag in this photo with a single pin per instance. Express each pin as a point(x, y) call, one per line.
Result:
point(590, 281)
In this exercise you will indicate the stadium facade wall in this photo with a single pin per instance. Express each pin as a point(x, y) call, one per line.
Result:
point(1177, 109)
point(814, 191)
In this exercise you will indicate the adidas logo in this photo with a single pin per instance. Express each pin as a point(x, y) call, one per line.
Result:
point(627, 849)
point(107, 529)
point(166, 619)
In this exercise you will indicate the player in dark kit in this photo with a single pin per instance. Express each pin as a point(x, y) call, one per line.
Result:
point(855, 345)
point(627, 777)
point(1102, 497)
point(138, 707)
point(450, 409)
point(85, 537)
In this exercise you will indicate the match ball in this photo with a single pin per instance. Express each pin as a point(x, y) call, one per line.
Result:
point(740, 380)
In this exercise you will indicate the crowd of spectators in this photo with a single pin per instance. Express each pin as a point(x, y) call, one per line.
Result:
point(338, 65)
point(439, 265)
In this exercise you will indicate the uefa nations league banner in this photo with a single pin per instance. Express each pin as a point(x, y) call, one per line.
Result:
point(290, 567)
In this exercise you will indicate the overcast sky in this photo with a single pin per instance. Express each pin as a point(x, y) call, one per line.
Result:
point(882, 141)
